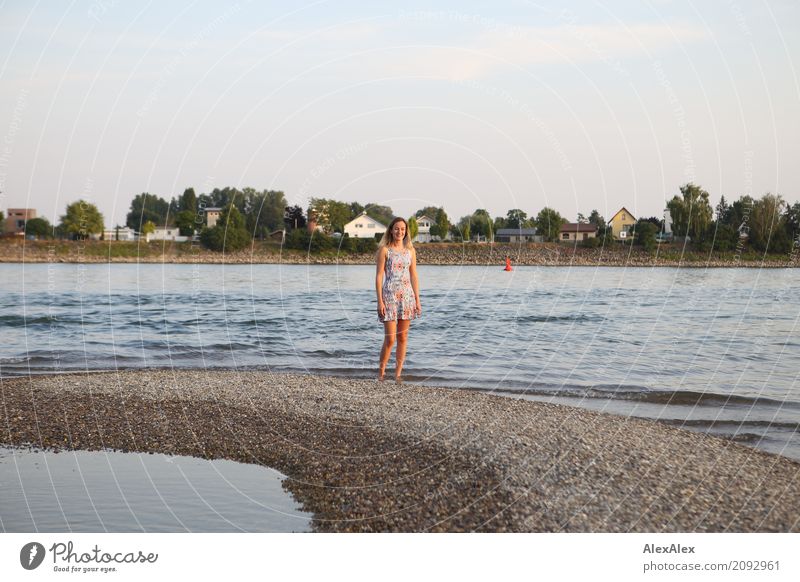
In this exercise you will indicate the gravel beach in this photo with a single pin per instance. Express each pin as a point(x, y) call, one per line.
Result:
point(368, 456)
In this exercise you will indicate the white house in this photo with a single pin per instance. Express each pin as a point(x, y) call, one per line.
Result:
point(167, 233)
point(424, 225)
point(362, 226)
point(126, 233)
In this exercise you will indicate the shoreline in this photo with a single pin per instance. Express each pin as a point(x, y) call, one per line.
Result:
point(369, 456)
point(478, 254)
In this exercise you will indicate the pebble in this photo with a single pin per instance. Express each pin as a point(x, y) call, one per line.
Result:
point(365, 456)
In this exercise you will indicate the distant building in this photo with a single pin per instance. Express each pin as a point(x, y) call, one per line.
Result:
point(121, 233)
point(167, 233)
point(16, 218)
point(621, 222)
point(510, 235)
point(212, 216)
point(573, 231)
point(424, 225)
point(362, 226)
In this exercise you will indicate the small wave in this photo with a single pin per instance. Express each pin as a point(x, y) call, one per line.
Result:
point(733, 424)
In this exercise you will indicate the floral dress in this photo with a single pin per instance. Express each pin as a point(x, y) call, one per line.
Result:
point(398, 295)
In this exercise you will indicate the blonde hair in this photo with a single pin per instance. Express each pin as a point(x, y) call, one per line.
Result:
point(387, 236)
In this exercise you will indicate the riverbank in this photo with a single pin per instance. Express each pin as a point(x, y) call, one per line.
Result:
point(532, 254)
point(369, 456)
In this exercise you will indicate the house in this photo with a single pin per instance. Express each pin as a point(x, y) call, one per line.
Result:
point(621, 222)
point(212, 216)
point(15, 221)
point(574, 231)
point(362, 226)
point(120, 233)
point(424, 225)
point(510, 235)
point(167, 233)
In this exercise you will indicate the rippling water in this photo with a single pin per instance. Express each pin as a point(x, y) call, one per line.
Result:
point(709, 350)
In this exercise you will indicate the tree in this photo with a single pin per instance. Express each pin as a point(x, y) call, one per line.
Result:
point(146, 207)
point(723, 210)
point(186, 221)
point(265, 211)
point(81, 220)
point(480, 223)
point(413, 227)
point(442, 226)
point(792, 221)
point(148, 227)
point(515, 218)
point(331, 215)
point(549, 223)
point(39, 227)
point(188, 201)
point(767, 227)
point(382, 214)
point(293, 217)
point(695, 200)
point(230, 234)
point(646, 234)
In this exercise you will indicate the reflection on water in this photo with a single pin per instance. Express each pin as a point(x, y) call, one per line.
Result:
point(692, 347)
point(80, 491)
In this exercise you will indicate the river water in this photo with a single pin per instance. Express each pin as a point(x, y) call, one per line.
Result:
point(711, 350)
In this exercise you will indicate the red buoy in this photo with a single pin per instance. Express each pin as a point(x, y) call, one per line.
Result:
point(508, 265)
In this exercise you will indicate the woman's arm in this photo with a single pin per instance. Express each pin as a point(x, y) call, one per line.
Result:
point(379, 268)
point(412, 270)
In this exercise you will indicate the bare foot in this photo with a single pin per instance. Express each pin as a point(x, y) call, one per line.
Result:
point(381, 377)
point(398, 379)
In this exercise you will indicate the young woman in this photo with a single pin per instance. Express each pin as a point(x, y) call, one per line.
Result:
point(397, 287)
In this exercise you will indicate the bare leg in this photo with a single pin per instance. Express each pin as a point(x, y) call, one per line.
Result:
point(402, 340)
point(389, 333)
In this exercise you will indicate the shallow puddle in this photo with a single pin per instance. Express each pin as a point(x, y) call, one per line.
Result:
point(81, 491)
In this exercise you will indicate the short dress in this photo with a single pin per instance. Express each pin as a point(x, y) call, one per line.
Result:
point(397, 293)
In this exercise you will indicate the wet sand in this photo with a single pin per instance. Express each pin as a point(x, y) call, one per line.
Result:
point(367, 456)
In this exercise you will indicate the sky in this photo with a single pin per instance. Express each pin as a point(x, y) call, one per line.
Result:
point(465, 105)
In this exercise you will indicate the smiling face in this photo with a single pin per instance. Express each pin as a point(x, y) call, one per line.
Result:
point(398, 231)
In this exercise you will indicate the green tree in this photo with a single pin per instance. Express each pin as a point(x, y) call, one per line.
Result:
point(265, 212)
point(646, 234)
point(331, 215)
point(549, 223)
point(515, 218)
point(39, 227)
point(188, 201)
point(186, 221)
point(695, 199)
point(413, 227)
point(767, 231)
point(230, 234)
point(792, 221)
point(442, 226)
point(429, 211)
point(723, 210)
point(148, 227)
point(146, 207)
point(382, 214)
point(81, 220)
point(679, 215)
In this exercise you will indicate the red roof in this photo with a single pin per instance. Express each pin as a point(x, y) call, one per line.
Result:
point(578, 227)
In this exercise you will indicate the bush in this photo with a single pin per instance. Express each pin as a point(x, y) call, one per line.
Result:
point(229, 234)
point(591, 243)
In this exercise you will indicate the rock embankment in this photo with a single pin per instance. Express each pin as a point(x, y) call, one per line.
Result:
point(545, 254)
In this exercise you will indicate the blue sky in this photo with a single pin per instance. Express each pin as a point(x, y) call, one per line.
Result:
point(500, 105)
